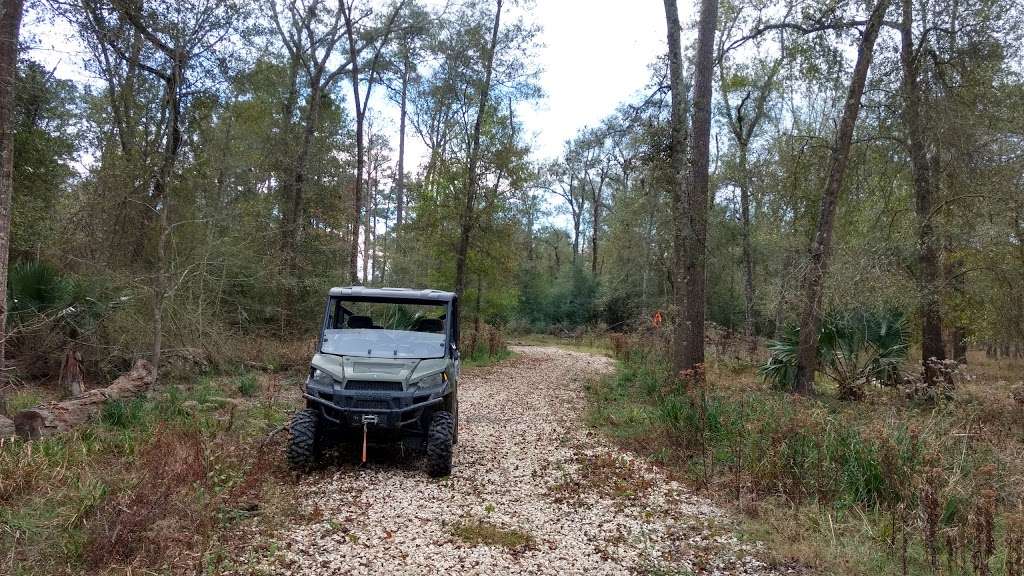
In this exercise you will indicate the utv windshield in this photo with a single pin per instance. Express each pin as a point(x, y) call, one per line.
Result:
point(385, 329)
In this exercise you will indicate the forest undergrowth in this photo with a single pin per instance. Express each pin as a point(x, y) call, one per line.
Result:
point(185, 480)
point(881, 486)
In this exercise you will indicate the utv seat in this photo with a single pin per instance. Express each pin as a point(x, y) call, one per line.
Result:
point(435, 325)
point(360, 322)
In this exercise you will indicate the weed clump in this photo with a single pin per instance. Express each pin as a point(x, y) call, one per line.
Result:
point(248, 385)
point(483, 532)
point(484, 345)
point(160, 509)
point(1014, 542)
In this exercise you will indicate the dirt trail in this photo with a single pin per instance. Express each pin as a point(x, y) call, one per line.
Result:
point(563, 499)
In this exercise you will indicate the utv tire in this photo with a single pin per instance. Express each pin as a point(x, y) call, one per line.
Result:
point(439, 444)
point(304, 445)
point(455, 424)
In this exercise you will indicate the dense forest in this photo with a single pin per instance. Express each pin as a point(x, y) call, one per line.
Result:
point(226, 167)
point(836, 188)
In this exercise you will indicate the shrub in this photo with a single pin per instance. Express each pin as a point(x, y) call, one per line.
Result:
point(484, 347)
point(248, 384)
point(853, 349)
point(37, 287)
point(620, 345)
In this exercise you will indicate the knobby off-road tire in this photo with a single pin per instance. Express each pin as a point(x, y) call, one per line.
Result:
point(455, 425)
point(304, 444)
point(439, 444)
point(454, 409)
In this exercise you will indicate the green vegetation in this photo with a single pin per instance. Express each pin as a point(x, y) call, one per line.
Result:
point(486, 359)
point(483, 345)
point(248, 384)
point(553, 245)
point(854, 349)
point(193, 200)
point(24, 399)
point(482, 532)
point(822, 481)
point(151, 478)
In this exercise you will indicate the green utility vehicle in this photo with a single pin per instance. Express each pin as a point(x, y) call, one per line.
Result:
point(386, 366)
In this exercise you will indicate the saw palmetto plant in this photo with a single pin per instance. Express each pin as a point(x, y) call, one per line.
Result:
point(855, 348)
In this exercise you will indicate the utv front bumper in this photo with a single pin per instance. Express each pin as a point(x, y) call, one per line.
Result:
point(392, 409)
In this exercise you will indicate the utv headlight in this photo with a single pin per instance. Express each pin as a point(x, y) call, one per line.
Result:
point(320, 378)
point(432, 381)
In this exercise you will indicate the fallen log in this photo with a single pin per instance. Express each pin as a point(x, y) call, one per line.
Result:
point(57, 417)
point(6, 427)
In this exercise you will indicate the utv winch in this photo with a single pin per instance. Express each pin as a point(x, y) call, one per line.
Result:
point(386, 368)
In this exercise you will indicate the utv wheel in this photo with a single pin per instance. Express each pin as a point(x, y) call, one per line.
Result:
point(439, 444)
point(304, 445)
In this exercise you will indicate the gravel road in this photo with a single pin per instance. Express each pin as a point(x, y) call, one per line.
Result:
point(534, 491)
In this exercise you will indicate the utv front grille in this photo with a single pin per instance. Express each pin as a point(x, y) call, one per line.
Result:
point(373, 386)
point(371, 405)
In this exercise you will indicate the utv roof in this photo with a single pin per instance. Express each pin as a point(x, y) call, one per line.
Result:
point(392, 293)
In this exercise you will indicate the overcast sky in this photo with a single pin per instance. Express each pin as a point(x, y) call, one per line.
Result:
point(595, 55)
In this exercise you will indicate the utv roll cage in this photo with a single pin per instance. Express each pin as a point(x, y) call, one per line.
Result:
point(394, 296)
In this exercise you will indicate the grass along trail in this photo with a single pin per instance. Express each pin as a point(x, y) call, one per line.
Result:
point(534, 491)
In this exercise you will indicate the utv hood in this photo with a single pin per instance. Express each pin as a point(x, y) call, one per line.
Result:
point(343, 368)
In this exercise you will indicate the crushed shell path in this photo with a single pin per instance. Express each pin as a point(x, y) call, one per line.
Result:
point(524, 463)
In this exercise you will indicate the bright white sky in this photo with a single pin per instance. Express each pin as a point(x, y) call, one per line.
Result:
point(595, 55)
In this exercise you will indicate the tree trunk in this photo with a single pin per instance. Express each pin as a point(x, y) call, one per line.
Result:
point(960, 344)
point(596, 201)
point(748, 252)
point(679, 131)
point(374, 210)
point(292, 168)
point(385, 249)
point(400, 177)
point(743, 126)
point(357, 191)
point(959, 335)
point(577, 223)
point(697, 188)
point(361, 106)
point(71, 374)
point(368, 227)
point(297, 209)
point(479, 294)
point(58, 417)
point(471, 186)
point(821, 246)
point(10, 26)
point(162, 197)
point(928, 251)
point(780, 306)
